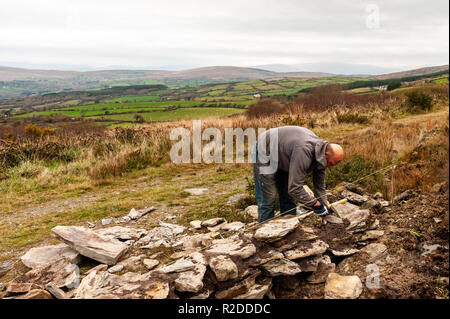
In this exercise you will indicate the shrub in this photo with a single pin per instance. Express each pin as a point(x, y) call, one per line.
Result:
point(264, 107)
point(419, 101)
point(352, 171)
point(352, 118)
point(395, 84)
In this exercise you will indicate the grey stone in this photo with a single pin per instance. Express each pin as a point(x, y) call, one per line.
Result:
point(356, 216)
point(196, 224)
point(342, 287)
point(310, 264)
point(196, 191)
point(6, 267)
point(217, 227)
point(224, 268)
point(55, 291)
point(271, 255)
point(192, 281)
point(317, 247)
point(150, 263)
point(165, 234)
point(115, 269)
point(281, 267)
point(179, 266)
point(103, 285)
point(252, 211)
point(136, 214)
point(39, 256)
point(122, 233)
point(61, 273)
point(354, 198)
point(344, 252)
point(98, 268)
point(276, 229)
point(255, 292)
point(375, 251)
point(333, 219)
point(232, 246)
point(213, 222)
point(233, 227)
point(371, 234)
point(90, 244)
point(240, 288)
point(106, 221)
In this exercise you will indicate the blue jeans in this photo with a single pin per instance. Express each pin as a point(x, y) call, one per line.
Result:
point(266, 188)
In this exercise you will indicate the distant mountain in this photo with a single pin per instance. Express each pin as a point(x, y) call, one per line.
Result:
point(421, 71)
point(327, 67)
point(15, 82)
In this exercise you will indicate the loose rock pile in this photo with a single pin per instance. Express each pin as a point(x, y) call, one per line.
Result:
point(211, 259)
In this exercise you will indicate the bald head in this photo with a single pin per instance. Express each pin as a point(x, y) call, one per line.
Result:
point(334, 154)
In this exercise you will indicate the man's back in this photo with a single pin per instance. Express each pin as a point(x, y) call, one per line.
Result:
point(290, 138)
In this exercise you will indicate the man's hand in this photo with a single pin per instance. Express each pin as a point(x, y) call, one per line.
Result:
point(320, 210)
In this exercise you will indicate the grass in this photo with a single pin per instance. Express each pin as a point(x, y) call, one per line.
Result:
point(178, 114)
point(124, 169)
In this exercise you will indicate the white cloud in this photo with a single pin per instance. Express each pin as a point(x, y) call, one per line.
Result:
point(178, 32)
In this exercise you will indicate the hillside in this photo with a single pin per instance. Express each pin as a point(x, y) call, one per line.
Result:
point(19, 82)
point(414, 72)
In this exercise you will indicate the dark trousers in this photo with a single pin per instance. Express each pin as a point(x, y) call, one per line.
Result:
point(266, 188)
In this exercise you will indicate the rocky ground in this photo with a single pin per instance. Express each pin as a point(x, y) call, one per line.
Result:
point(365, 249)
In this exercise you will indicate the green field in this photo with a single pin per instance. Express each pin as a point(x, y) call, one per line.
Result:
point(178, 114)
point(191, 102)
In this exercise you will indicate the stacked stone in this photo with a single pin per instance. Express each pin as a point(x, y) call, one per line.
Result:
point(213, 258)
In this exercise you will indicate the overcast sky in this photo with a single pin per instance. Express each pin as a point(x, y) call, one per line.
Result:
point(394, 34)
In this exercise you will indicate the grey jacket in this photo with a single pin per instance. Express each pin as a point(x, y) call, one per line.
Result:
point(300, 151)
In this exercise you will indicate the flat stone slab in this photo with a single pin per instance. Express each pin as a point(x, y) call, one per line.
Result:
point(276, 229)
point(88, 243)
point(104, 285)
point(240, 288)
point(232, 246)
point(317, 247)
point(178, 266)
point(6, 267)
point(354, 198)
point(353, 214)
point(271, 255)
point(39, 256)
point(375, 250)
point(122, 233)
point(165, 234)
point(310, 264)
point(371, 234)
point(344, 251)
point(233, 227)
point(255, 292)
point(281, 267)
point(342, 287)
point(213, 222)
point(150, 263)
point(61, 273)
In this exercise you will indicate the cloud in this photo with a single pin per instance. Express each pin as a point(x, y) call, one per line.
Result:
point(177, 32)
